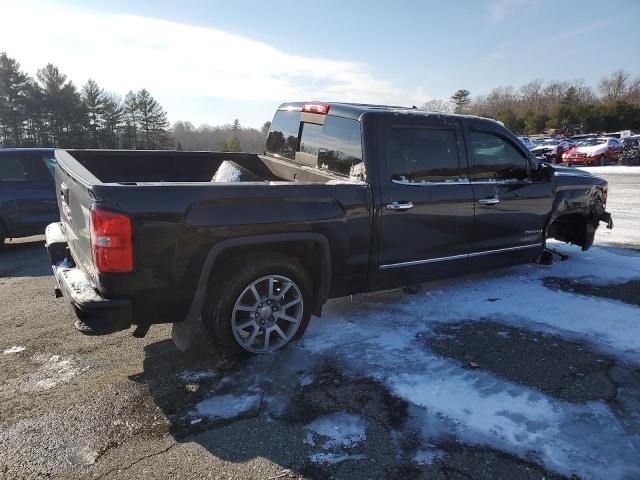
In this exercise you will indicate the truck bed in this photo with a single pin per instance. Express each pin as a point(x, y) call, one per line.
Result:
point(127, 167)
point(182, 204)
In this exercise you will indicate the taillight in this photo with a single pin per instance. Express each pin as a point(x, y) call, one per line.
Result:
point(111, 241)
point(316, 108)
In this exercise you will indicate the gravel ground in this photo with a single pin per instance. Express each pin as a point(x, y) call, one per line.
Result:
point(118, 407)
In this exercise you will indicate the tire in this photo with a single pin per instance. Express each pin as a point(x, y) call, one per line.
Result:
point(240, 323)
point(603, 161)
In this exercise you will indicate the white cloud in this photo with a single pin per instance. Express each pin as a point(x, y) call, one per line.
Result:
point(124, 52)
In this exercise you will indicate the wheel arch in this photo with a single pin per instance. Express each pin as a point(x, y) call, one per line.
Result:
point(303, 246)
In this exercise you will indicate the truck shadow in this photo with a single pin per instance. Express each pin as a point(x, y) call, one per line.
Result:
point(24, 259)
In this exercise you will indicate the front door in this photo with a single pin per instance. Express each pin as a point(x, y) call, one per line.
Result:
point(511, 209)
point(426, 210)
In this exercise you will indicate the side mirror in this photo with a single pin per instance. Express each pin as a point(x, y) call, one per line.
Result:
point(544, 172)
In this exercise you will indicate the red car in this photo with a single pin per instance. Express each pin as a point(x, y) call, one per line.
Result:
point(593, 151)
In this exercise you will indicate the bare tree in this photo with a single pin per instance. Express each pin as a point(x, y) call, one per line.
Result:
point(437, 105)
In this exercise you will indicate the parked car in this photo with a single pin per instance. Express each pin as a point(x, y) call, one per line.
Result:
point(526, 142)
point(632, 140)
point(595, 151)
point(27, 192)
point(346, 199)
point(551, 149)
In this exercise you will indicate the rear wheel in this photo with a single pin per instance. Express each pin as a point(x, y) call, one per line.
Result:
point(260, 305)
point(603, 160)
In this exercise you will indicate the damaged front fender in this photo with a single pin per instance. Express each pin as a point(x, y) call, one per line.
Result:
point(578, 209)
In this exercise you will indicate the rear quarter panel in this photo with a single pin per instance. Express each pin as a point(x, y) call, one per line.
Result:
point(174, 227)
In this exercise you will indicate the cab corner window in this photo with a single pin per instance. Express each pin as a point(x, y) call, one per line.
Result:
point(495, 159)
point(283, 137)
point(420, 155)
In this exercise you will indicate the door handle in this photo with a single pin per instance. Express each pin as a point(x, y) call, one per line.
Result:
point(399, 205)
point(489, 201)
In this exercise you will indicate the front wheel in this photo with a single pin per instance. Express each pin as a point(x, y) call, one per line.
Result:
point(258, 305)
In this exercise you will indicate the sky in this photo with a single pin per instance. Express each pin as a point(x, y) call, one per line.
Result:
point(209, 62)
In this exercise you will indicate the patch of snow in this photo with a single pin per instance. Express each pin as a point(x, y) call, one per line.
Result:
point(358, 172)
point(14, 350)
point(306, 380)
point(54, 234)
point(80, 284)
point(227, 406)
point(227, 172)
point(341, 429)
point(196, 376)
point(308, 438)
point(54, 371)
point(624, 169)
point(333, 458)
point(428, 456)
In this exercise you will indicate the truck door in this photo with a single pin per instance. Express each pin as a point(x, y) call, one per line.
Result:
point(426, 210)
point(511, 209)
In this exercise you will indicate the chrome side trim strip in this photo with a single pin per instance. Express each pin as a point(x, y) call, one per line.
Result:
point(509, 249)
point(457, 257)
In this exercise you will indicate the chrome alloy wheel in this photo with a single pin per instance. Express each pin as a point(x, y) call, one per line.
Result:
point(267, 314)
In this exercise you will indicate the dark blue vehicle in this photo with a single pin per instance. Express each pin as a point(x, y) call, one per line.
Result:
point(27, 191)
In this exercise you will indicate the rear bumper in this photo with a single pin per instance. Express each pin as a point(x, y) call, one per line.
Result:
point(95, 314)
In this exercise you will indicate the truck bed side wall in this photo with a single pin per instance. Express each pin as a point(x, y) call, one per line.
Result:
point(176, 226)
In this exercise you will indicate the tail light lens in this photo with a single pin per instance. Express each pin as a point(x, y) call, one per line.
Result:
point(321, 108)
point(111, 241)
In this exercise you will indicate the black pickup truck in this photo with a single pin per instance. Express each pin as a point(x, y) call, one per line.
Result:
point(347, 198)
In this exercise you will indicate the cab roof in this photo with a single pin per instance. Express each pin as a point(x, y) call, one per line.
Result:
point(355, 111)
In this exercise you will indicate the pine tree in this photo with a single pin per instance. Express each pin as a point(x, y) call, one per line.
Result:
point(13, 93)
point(112, 121)
point(64, 112)
point(234, 143)
point(153, 120)
point(265, 129)
point(461, 100)
point(131, 116)
point(93, 98)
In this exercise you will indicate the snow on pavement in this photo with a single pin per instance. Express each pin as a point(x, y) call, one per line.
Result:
point(381, 336)
point(341, 429)
point(376, 337)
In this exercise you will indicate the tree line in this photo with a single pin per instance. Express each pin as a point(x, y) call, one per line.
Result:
point(571, 106)
point(50, 111)
point(225, 138)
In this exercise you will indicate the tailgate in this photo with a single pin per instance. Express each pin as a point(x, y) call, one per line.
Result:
point(75, 197)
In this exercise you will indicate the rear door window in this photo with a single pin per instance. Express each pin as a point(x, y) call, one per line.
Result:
point(335, 145)
point(494, 158)
point(423, 155)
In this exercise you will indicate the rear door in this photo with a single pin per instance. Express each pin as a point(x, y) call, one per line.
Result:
point(511, 209)
point(27, 191)
point(426, 211)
